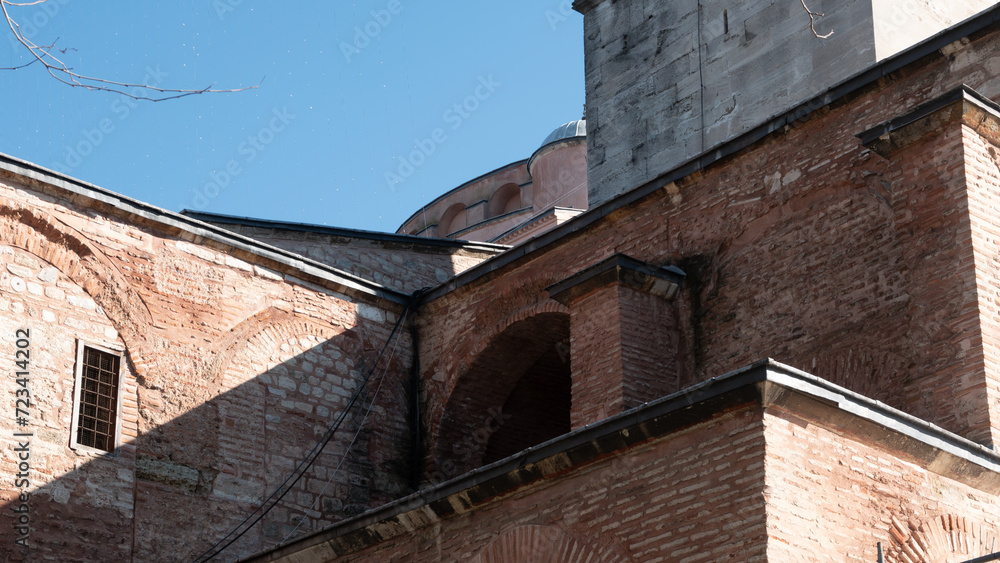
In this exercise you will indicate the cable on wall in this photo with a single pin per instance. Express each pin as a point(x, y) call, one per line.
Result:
point(371, 403)
point(271, 501)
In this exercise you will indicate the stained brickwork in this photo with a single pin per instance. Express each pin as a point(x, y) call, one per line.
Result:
point(233, 370)
point(628, 347)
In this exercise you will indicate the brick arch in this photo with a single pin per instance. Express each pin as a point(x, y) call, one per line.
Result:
point(476, 407)
point(946, 538)
point(532, 543)
point(271, 324)
point(268, 327)
point(532, 310)
point(249, 375)
point(68, 251)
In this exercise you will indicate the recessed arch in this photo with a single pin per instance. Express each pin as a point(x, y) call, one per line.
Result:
point(71, 254)
point(505, 200)
point(270, 323)
point(515, 394)
point(455, 218)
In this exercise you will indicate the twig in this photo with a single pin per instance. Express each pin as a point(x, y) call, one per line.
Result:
point(812, 21)
point(60, 71)
point(33, 61)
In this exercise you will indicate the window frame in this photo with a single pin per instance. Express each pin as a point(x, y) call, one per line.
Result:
point(81, 346)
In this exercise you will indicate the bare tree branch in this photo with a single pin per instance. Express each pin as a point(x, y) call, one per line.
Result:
point(58, 69)
point(812, 21)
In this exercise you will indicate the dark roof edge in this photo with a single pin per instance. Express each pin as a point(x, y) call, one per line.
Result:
point(963, 93)
point(727, 148)
point(342, 281)
point(341, 231)
point(461, 186)
point(638, 425)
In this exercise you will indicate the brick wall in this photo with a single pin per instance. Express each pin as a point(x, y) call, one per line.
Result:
point(835, 496)
point(35, 295)
point(796, 476)
point(982, 166)
point(948, 386)
point(807, 247)
point(595, 354)
point(654, 356)
point(693, 496)
point(232, 371)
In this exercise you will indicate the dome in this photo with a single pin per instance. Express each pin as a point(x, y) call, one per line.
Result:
point(567, 131)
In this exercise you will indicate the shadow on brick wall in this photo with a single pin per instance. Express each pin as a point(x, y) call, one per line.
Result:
point(180, 486)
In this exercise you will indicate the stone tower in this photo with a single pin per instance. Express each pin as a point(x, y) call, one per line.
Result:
point(668, 81)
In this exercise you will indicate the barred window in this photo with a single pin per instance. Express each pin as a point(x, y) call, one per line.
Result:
point(97, 405)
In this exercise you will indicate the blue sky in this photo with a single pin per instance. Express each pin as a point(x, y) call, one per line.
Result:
point(367, 110)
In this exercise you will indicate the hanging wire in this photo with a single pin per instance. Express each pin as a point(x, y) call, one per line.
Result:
point(270, 502)
point(361, 426)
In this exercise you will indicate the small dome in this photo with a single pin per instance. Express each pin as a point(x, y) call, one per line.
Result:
point(567, 131)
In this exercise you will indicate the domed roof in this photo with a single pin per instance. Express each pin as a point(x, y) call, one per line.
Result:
point(567, 131)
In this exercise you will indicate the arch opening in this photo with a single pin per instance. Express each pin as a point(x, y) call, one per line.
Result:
point(516, 394)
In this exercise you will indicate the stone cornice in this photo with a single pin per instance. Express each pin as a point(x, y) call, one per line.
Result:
point(620, 269)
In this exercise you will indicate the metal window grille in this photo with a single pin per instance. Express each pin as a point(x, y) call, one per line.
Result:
point(98, 408)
